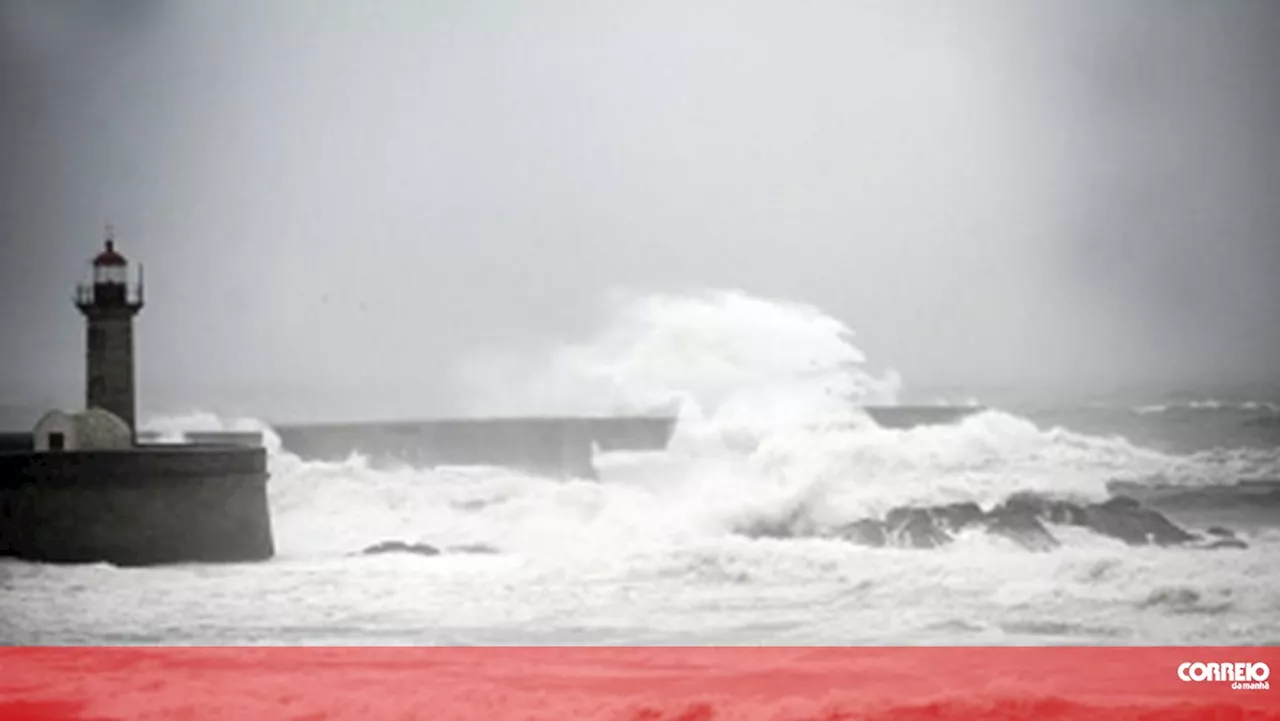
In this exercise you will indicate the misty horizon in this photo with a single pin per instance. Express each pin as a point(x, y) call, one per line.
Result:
point(341, 210)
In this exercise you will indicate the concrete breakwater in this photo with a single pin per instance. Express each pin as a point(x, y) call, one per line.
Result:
point(560, 447)
point(912, 416)
point(138, 506)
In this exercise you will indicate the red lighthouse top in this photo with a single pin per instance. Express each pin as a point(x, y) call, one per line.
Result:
point(109, 257)
point(109, 287)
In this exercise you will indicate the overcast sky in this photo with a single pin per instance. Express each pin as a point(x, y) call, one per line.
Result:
point(339, 203)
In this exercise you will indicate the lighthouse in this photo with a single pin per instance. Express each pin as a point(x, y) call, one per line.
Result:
point(82, 489)
point(109, 301)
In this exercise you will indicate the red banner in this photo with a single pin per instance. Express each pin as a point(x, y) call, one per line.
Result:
point(636, 684)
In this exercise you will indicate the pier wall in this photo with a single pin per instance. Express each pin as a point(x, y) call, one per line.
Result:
point(142, 506)
point(23, 442)
point(560, 447)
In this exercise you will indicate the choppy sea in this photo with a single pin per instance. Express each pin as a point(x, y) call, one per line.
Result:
point(648, 554)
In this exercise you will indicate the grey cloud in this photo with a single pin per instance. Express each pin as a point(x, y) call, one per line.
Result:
point(339, 204)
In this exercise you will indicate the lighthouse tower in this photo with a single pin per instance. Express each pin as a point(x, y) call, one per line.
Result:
point(109, 302)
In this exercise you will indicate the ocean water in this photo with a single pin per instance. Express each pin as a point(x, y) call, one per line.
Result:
point(650, 553)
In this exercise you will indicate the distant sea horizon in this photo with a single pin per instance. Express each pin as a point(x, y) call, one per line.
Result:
point(304, 406)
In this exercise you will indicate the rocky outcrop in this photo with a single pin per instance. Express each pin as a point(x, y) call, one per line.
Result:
point(1121, 517)
point(1023, 518)
point(425, 549)
point(790, 525)
point(955, 517)
point(866, 532)
point(420, 549)
point(1219, 537)
point(1125, 519)
point(914, 528)
point(1221, 543)
point(482, 549)
point(1050, 510)
point(1021, 527)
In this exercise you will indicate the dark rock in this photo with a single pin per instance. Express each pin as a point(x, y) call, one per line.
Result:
point(955, 517)
point(1220, 543)
point(1219, 537)
point(1023, 528)
point(1171, 597)
point(896, 516)
point(1122, 488)
point(1065, 513)
point(1121, 517)
point(766, 528)
point(761, 529)
point(1025, 502)
point(914, 528)
point(866, 532)
point(478, 548)
point(1125, 519)
point(793, 524)
point(1121, 503)
point(420, 549)
point(1049, 510)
